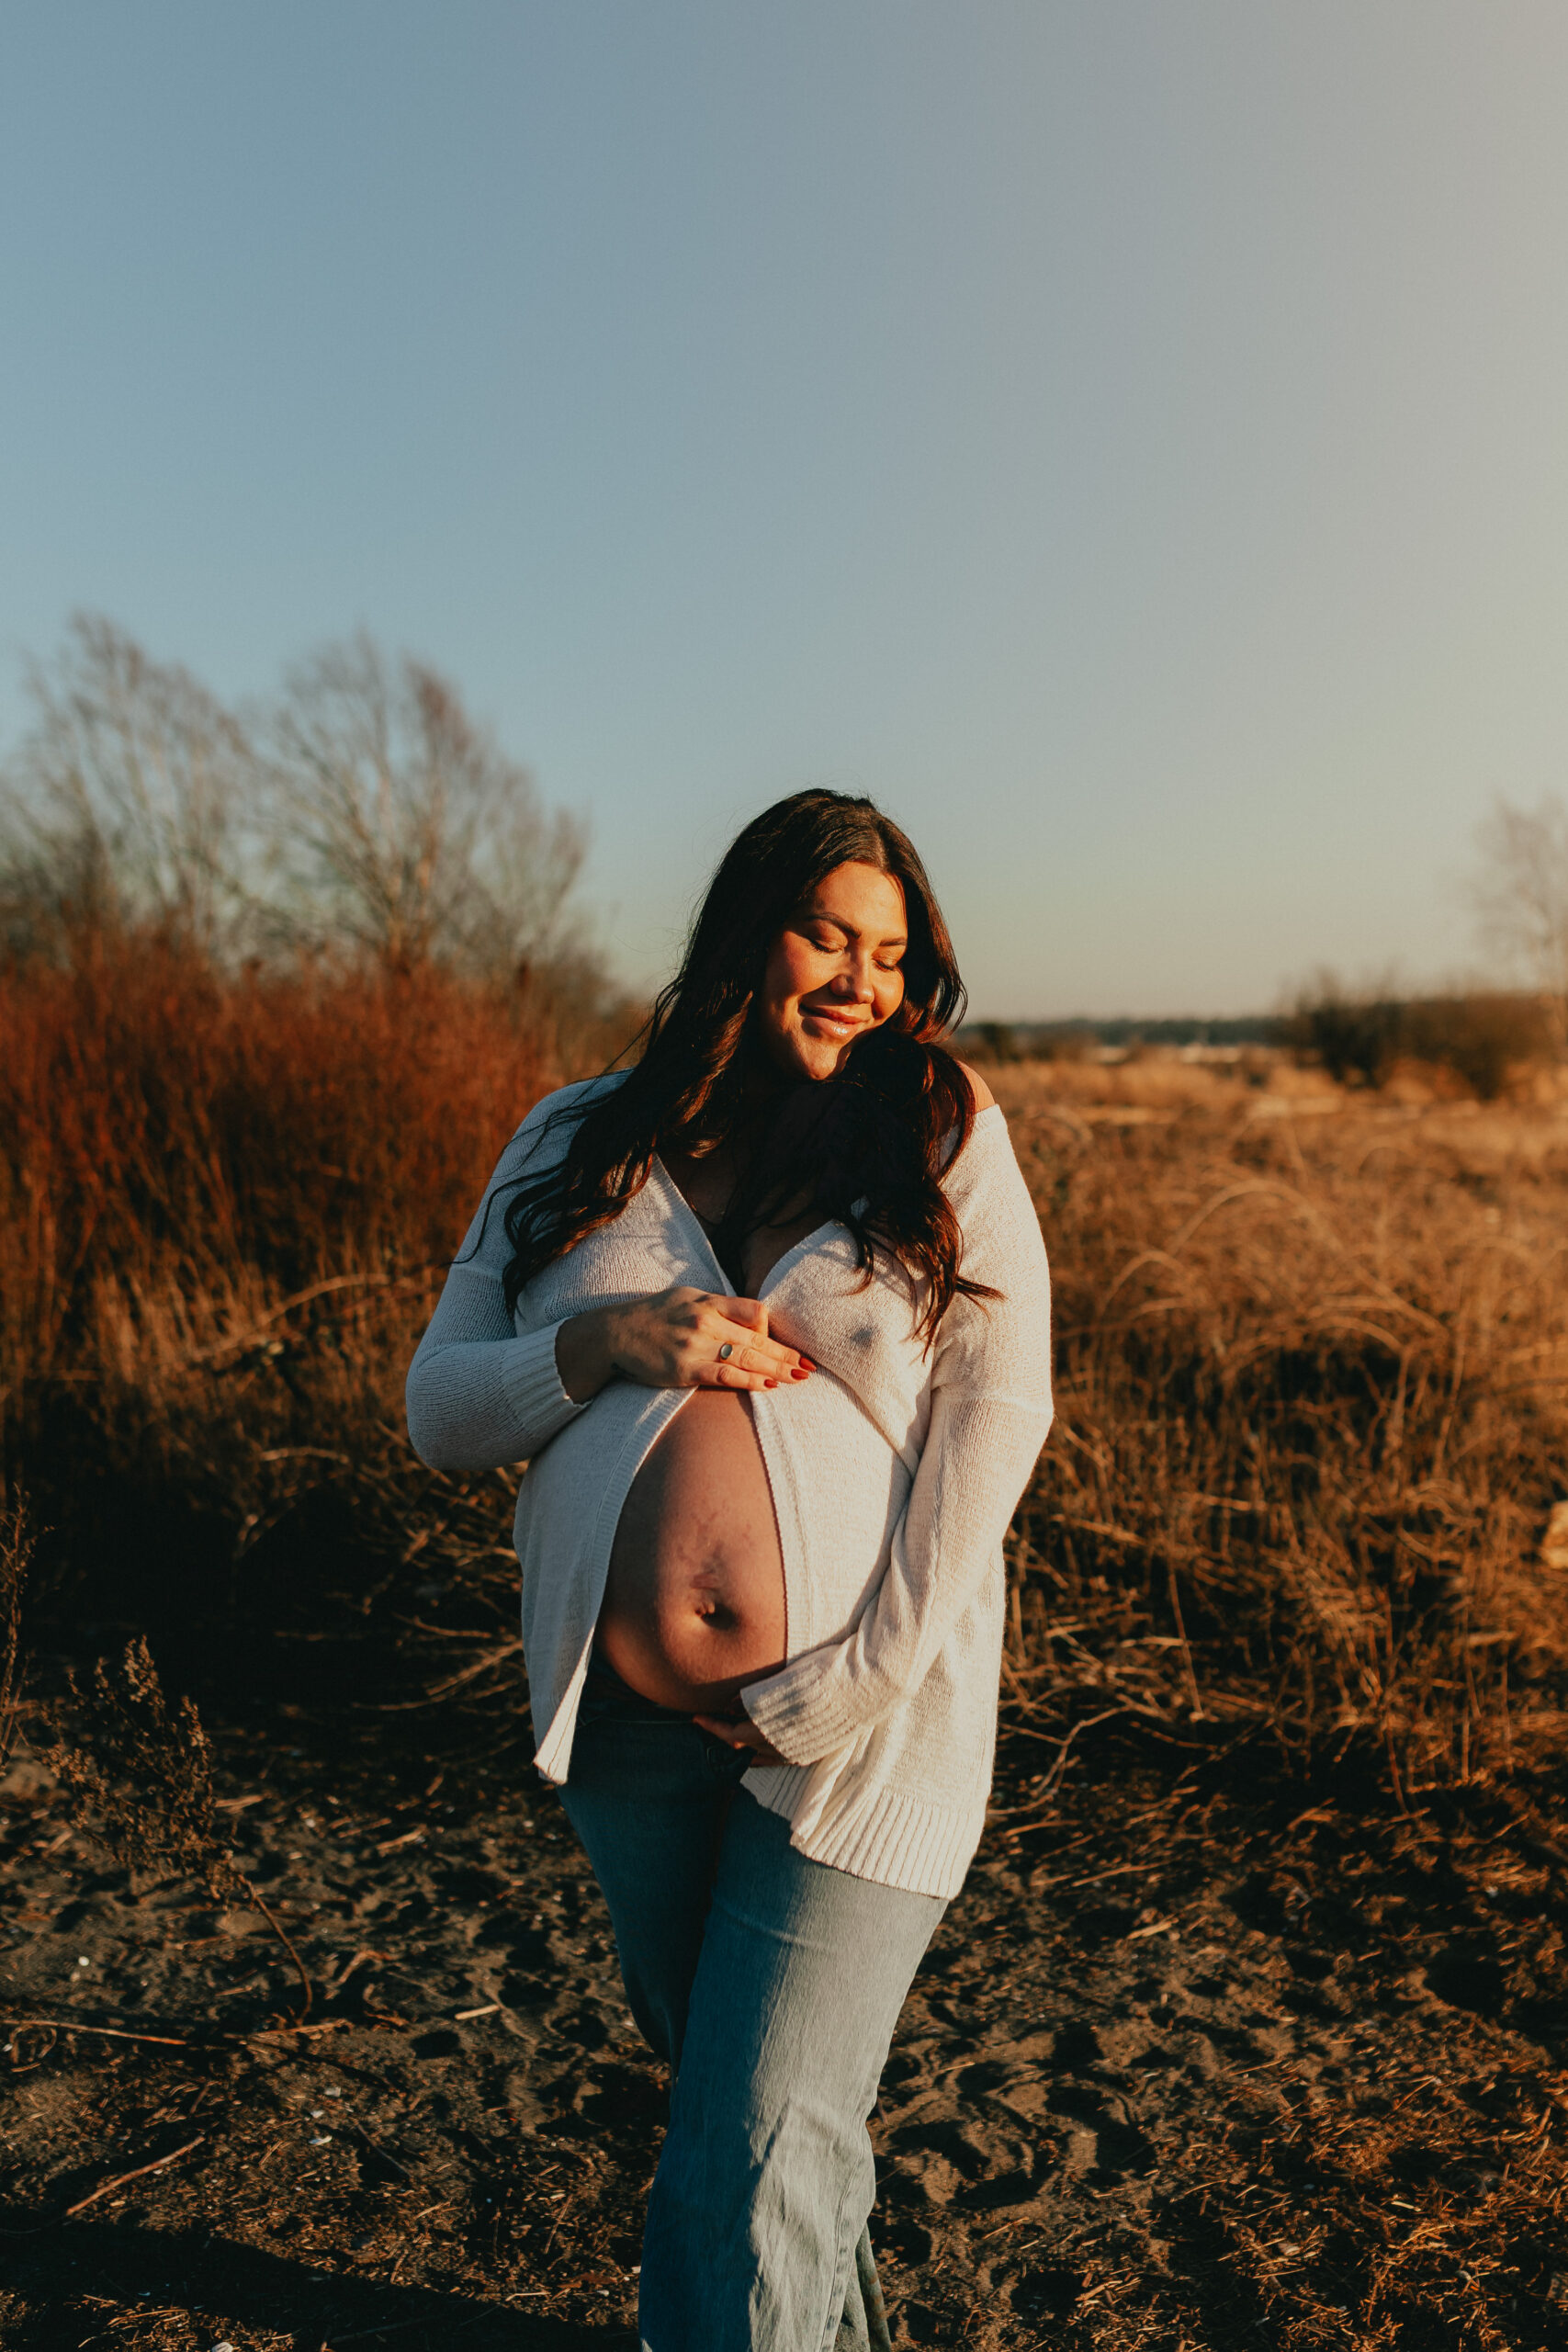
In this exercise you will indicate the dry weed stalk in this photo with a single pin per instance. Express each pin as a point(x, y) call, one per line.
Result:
point(16, 1560)
point(142, 1780)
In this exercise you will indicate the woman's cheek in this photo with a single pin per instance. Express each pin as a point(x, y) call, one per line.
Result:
point(805, 972)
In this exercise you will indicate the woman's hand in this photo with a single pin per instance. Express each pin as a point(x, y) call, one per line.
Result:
point(739, 1731)
point(677, 1339)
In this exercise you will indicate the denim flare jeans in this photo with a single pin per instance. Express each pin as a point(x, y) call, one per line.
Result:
point(771, 1984)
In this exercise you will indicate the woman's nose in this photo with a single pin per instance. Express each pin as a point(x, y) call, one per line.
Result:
point(856, 983)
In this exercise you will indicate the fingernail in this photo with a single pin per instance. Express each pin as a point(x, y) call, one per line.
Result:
point(800, 1375)
point(770, 1384)
point(807, 1365)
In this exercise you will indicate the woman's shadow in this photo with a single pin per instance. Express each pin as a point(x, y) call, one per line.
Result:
point(317, 2309)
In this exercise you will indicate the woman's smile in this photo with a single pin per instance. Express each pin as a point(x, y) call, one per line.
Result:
point(832, 1021)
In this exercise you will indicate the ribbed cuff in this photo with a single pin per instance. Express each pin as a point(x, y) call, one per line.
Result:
point(880, 1834)
point(804, 1710)
point(533, 1387)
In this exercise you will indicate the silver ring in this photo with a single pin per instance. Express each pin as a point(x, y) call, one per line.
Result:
point(727, 1351)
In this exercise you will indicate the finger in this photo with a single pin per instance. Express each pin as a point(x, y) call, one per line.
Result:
point(732, 1376)
point(725, 1728)
point(749, 1368)
point(743, 1340)
point(757, 1352)
point(724, 1342)
point(751, 1313)
point(779, 1363)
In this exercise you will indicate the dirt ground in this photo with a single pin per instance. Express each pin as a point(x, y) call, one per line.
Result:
point(1195, 2061)
point(1205, 2058)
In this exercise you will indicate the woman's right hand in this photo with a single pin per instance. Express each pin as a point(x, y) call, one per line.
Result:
point(673, 1340)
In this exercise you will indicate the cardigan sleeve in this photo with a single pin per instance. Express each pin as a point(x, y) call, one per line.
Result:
point(483, 1389)
point(990, 1413)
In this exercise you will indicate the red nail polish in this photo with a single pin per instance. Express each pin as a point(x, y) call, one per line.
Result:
point(770, 1384)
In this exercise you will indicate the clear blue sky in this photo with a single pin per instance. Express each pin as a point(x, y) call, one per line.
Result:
point(1127, 438)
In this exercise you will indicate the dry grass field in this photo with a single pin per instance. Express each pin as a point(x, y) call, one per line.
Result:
point(1313, 1356)
point(1248, 2028)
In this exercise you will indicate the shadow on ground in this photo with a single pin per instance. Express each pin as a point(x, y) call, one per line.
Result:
point(258, 2297)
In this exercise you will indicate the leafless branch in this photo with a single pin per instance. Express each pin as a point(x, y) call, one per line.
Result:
point(1520, 896)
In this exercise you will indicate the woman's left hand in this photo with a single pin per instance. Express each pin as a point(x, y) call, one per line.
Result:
point(739, 1731)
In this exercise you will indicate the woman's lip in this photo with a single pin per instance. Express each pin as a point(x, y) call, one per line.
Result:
point(833, 1019)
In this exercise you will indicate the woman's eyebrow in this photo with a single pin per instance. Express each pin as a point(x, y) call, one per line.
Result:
point(841, 923)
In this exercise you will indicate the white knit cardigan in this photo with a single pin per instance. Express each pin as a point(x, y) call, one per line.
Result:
point(894, 1471)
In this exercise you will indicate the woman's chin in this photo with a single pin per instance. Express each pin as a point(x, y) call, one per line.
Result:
point(812, 1058)
point(802, 1069)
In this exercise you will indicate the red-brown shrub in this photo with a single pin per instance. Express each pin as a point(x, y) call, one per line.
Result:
point(165, 1127)
point(226, 1201)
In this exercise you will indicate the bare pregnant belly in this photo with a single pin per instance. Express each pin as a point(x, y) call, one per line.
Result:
point(695, 1602)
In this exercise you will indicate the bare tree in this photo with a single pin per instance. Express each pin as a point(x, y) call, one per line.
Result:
point(129, 798)
point(362, 810)
point(1520, 893)
point(403, 827)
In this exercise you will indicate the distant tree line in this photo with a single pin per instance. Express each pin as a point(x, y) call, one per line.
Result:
point(1060, 1040)
point(1358, 1036)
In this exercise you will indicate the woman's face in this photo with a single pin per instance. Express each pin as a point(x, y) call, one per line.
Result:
point(833, 973)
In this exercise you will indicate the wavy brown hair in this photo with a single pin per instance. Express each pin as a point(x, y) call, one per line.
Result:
point(865, 1149)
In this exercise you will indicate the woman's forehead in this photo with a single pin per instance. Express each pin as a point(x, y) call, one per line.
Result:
point(863, 896)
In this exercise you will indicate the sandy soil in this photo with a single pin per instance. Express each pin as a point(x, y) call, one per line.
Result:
point(1193, 2062)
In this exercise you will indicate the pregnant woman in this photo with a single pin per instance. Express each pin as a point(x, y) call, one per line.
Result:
point(768, 1316)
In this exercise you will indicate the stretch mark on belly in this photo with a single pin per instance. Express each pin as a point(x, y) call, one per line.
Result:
point(695, 1602)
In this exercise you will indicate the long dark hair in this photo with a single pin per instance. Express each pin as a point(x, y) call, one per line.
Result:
point(865, 1149)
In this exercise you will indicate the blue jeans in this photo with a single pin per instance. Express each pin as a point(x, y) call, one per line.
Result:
point(772, 1985)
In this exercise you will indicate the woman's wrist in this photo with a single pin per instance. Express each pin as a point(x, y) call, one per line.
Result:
point(585, 1356)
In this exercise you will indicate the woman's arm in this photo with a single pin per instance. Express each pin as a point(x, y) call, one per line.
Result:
point(481, 1394)
point(990, 1414)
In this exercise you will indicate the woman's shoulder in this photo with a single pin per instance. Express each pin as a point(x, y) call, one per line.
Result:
point(984, 1168)
point(577, 1096)
point(564, 1104)
point(1000, 1220)
point(987, 1132)
point(984, 1099)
